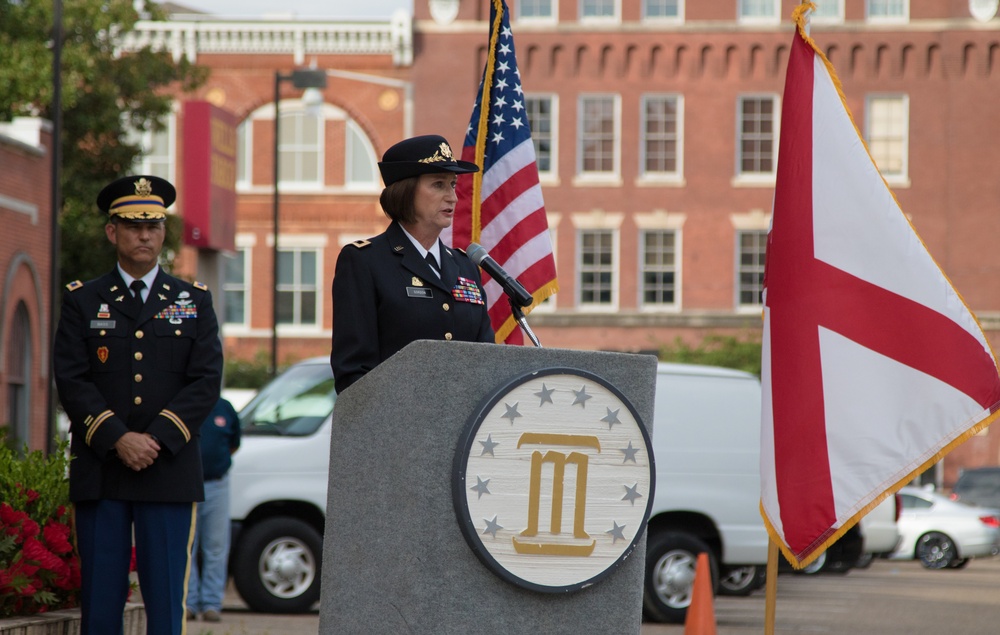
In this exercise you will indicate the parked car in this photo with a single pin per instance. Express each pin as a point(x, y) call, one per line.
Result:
point(278, 486)
point(978, 486)
point(706, 439)
point(880, 531)
point(943, 533)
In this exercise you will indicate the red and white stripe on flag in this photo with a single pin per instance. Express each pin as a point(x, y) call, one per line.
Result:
point(501, 208)
point(873, 366)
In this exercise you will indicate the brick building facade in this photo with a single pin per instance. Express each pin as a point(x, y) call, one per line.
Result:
point(656, 126)
point(25, 267)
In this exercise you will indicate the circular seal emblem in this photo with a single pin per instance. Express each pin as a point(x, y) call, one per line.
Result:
point(553, 480)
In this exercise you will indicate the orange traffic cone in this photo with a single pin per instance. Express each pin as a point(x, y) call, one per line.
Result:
point(701, 614)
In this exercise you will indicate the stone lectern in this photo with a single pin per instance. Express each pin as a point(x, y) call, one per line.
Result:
point(477, 488)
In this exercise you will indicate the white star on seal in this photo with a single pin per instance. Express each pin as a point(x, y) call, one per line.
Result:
point(581, 397)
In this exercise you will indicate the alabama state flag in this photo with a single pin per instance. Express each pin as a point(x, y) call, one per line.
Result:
point(873, 366)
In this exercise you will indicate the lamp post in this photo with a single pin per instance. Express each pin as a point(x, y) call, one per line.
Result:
point(303, 78)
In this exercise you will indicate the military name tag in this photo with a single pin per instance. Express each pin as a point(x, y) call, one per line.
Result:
point(422, 292)
point(102, 324)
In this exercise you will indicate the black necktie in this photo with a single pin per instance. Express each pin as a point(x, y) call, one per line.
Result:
point(433, 263)
point(137, 286)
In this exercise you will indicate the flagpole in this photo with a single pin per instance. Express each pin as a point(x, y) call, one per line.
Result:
point(484, 107)
point(770, 586)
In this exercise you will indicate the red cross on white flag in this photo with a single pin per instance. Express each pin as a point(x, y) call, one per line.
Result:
point(873, 366)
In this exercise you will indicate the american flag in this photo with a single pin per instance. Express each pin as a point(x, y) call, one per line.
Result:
point(501, 207)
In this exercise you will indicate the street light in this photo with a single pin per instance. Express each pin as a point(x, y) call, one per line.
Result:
point(311, 79)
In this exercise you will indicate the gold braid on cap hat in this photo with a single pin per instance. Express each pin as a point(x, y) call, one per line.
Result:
point(443, 154)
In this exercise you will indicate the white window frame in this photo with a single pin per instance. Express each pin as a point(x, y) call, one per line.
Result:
point(901, 177)
point(550, 176)
point(676, 176)
point(244, 154)
point(660, 20)
point(615, 18)
point(643, 268)
point(773, 18)
point(243, 287)
point(356, 141)
point(604, 177)
point(293, 108)
point(757, 178)
point(538, 19)
point(742, 307)
point(157, 165)
point(836, 17)
point(596, 221)
point(901, 18)
point(246, 242)
point(306, 242)
point(660, 221)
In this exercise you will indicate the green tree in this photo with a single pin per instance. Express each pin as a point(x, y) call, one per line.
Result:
point(718, 350)
point(104, 96)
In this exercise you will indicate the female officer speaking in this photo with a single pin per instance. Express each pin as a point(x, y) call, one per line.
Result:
point(405, 284)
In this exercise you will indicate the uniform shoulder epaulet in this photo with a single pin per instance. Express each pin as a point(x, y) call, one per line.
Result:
point(73, 286)
point(459, 249)
point(361, 243)
point(201, 286)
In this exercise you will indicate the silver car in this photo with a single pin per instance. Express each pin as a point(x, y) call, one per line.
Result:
point(942, 533)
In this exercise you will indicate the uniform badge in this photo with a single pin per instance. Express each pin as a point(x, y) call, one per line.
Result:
point(113, 289)
point(119, 298)
point(220, 421)
point(422, 292)
point(162, 297)
point(102, 353)
point(103, 312)
point(417, 282)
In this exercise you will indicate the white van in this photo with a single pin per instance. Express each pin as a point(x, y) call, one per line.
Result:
point(706, 441)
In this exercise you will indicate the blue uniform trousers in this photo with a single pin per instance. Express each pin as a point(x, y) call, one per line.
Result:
point(163, 533)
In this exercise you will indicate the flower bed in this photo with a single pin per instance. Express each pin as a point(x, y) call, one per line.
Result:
point(68, 621)
point(39, 570)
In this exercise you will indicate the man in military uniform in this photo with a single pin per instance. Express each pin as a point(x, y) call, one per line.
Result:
point(138, 366)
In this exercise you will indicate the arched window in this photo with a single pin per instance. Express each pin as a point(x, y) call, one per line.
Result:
point(19, 364)
point(306, 138)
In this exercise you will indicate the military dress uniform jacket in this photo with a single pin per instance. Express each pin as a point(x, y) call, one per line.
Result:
point(385, 296)
point(121, 368)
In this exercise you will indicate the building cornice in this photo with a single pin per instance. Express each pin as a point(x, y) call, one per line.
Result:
point(191, 36)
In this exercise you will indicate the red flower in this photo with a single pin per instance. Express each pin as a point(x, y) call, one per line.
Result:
point(36, 551)
point(32, 496)
point(56, 537)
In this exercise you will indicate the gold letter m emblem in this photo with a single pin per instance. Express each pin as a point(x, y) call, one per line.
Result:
point(563, 546)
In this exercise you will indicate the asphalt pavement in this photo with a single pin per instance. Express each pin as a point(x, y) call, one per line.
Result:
point(888, 598)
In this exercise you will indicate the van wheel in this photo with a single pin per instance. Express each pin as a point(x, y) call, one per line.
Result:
point(277, 567)
point(670, 567)
point(741, 581)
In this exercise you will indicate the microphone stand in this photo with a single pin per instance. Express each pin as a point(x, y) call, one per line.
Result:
point(519, 316)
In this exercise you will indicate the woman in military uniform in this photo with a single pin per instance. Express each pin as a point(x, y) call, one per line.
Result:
point(405, 284)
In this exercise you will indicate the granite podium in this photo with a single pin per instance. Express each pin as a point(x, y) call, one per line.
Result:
point(421, 450)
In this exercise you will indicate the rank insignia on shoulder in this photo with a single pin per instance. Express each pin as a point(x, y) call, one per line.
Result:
point(201, 286)
point(73, 286)
point(361, 243)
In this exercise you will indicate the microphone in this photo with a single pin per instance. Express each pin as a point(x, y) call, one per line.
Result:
point(518, 294)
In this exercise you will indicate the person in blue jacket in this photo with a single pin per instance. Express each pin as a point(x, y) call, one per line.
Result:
point(220, 438)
